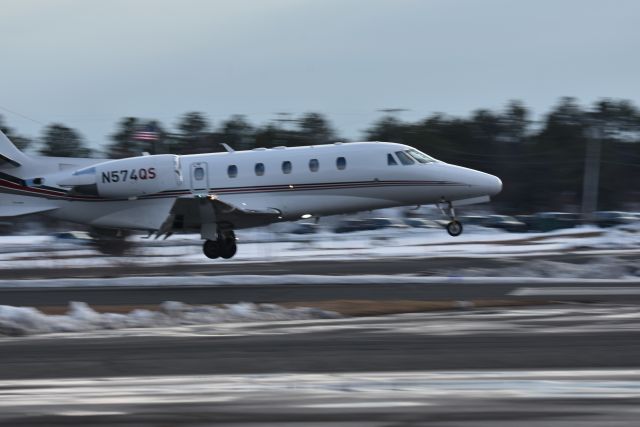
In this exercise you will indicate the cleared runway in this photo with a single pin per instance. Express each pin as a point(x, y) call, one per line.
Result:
point(526, 338)
point(445, 289)
point(450, 287)
point(421, 266)
point(561, 365)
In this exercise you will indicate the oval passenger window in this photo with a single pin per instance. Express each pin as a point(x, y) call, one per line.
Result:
point(198, 173)
point(286, 167)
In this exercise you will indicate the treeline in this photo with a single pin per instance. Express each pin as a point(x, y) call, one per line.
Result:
point(541, 162)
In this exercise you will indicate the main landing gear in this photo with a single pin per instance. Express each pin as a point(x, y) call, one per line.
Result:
point(454, 227)
point(224, 246)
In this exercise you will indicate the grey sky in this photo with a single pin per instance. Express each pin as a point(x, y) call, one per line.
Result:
point(87, 63)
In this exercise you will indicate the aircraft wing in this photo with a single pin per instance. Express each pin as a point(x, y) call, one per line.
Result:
point(190, 213)
point(9, 210)
point(226, 208)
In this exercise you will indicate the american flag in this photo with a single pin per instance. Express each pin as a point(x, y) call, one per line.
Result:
point(148, 133)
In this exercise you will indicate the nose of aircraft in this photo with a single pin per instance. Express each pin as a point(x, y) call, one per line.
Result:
point(489, 184)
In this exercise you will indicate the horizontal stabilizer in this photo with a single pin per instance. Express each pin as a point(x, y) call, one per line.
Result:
point(7, 162)
point(10, 156)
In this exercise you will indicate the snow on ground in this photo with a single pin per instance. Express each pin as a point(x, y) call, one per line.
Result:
point(600, 268)
point(325, 391)
point(245, 319)
point(301, 280)
point(260, 245)
point(19, 321)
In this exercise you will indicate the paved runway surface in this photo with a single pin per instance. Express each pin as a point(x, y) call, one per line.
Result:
point(567, 365)
point(451, 288)
point(424, 266)
point(366, 371)
point(454, 289)
point(540, 338)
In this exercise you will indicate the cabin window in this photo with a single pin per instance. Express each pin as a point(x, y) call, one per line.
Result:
point(420, 156)
point(286, 167)
point(259, 169)
point(198, 174)
point(341, 163)
point(391, 161)
point(314, 165)
point(404, 158)
point(232, 171)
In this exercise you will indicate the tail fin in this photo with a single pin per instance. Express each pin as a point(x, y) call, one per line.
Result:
point(10, 156)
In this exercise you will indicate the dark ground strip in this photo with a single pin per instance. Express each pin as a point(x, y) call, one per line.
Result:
point(335, 351)
point(228, 294)
point(417, 266)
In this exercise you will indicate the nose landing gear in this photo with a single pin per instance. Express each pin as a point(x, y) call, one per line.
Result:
point(454, 227)
point(224, 246)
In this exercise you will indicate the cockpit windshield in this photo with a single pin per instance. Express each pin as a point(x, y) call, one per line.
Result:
point(405, 159)
point(420, 156)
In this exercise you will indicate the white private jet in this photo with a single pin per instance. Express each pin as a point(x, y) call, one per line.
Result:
point(218, 193)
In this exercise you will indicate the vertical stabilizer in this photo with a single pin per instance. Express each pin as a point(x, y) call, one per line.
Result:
point(10, 156)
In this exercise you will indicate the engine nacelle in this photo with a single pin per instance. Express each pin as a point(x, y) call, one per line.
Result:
point(127, 178)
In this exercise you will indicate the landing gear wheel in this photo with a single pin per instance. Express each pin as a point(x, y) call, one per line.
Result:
point(227, 244)
point(454, 228)
point(228, 250)
point(211, 249)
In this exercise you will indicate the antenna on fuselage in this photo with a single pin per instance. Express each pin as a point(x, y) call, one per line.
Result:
point(227, 147)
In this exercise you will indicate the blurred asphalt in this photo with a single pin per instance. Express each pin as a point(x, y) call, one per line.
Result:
point(352, 348)
point(355, 347)
point(383, 344)
point(422, 266)
point(512, 290)
point(450, 288)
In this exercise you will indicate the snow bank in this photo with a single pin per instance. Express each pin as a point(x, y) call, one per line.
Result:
point(20, 321)
point(265, 246)
point(259, 246)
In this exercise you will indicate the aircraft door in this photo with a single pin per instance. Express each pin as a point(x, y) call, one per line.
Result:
point(199, 179)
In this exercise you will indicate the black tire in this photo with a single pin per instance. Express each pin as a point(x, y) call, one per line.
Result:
point(211, 249)
point(228, 250)
point(454, 228)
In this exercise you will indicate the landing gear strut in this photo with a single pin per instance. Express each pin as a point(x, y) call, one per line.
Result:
point(454, 227)
point(224, 246)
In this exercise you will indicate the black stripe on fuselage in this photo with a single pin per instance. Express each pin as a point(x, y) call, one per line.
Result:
point(316, 186)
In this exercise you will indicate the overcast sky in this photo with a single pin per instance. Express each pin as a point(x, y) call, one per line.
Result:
point(87, 63)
